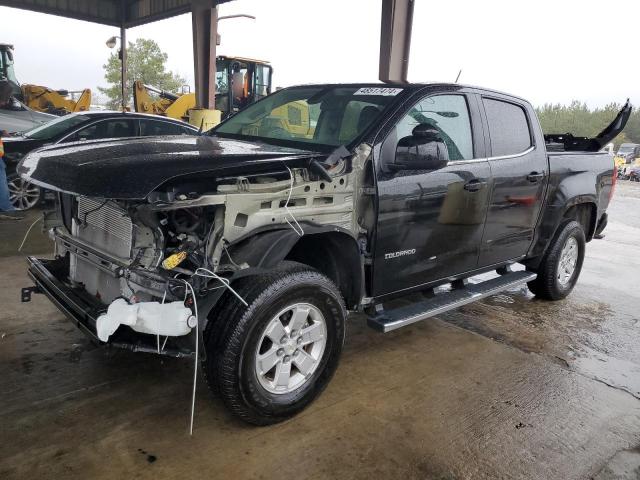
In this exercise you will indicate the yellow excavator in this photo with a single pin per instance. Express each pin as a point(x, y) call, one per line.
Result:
point(39, 98)
point(57, 102)
point(239, 82)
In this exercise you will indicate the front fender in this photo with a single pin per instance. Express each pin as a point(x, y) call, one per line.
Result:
point(330, 249)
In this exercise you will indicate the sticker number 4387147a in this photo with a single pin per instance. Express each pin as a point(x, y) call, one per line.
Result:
point(380, 91)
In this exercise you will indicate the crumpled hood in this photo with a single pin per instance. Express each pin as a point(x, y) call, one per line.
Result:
point(133, 168)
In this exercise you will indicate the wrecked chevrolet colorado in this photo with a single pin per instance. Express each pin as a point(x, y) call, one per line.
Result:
point(245, 247)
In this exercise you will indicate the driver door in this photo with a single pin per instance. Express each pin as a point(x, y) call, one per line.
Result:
point(430, 222)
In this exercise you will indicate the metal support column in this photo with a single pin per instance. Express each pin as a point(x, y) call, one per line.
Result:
point(395, 39)
point(204, 18)
point(123, 63)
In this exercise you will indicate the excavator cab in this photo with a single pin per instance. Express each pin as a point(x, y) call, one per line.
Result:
point(7, 72)
point(240, 82)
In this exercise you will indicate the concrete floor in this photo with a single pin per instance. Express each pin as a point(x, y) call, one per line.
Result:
point(510, 387)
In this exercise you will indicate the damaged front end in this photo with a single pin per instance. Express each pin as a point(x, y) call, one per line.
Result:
point(141, 274)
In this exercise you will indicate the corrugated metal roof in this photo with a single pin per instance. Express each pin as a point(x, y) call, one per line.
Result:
point(127, 13)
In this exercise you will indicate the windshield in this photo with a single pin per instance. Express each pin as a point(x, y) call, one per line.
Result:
point(222, 80)
point(55, 127)
point(321, 115)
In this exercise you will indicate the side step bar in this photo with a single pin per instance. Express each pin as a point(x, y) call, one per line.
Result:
point(390, 320)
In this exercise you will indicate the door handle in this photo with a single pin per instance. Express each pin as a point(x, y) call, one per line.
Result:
point(474, 185)
point(534, 177)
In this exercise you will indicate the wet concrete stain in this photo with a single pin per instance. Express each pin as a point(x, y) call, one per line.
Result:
point(76, 352)
point(150, 458)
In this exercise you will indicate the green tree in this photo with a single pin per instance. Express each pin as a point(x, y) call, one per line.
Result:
point(146, 62)
point(578, 119)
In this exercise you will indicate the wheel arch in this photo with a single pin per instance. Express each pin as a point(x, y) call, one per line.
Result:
point(331, 250)
point(582, 209)
point(584, 212)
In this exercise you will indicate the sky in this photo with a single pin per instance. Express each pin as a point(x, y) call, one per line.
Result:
point(547, 51)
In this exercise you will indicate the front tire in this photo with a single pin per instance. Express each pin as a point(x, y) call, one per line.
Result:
point(269, 360)
point(560, 267)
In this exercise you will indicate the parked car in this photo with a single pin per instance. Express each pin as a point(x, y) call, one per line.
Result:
point(246, 247)
point(17, 117)
point(79, 127)
point(627, 154)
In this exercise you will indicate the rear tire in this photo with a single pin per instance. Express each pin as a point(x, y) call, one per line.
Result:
point(269, 360)
point(560, 267)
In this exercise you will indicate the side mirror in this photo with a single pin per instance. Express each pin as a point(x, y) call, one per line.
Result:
point(424, 149)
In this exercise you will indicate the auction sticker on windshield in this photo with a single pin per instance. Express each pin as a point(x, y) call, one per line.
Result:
point(382, 91)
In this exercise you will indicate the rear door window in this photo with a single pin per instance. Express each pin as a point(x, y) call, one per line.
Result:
point(154, 127)
point(508, 127)
point(116, 128)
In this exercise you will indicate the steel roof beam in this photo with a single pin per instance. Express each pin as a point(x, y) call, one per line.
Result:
point(395, 39)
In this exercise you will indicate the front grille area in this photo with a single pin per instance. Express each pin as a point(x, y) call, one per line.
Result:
point(105, 226)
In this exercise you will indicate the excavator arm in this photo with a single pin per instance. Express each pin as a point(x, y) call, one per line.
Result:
point(166, 104)
point(43, 99)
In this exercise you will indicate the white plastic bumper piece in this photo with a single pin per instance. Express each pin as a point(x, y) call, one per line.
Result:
point(167, 319)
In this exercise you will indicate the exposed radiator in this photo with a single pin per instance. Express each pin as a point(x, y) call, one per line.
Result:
point(104, 225)
point(108, 228)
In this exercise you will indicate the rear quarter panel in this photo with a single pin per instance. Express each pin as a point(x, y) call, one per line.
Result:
point(575, 178)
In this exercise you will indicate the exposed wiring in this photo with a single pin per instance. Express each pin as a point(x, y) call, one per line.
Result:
point(164, 297)
point(195, 365)
point(206, 243)
point(83, 222)
point(297, 228)
point(224, 246)
point(28, 232)
point(224, 281)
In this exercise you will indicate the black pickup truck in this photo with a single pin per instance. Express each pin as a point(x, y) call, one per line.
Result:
point(245, 247)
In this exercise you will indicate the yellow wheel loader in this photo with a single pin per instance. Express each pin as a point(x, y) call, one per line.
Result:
point(239, 82)
point(167, 104)
point(39, 98)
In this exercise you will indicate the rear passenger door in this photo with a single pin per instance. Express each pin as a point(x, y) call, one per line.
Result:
point(519, 169)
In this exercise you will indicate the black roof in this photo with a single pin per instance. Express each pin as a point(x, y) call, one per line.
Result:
point(100, 114)
point(411, 86)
